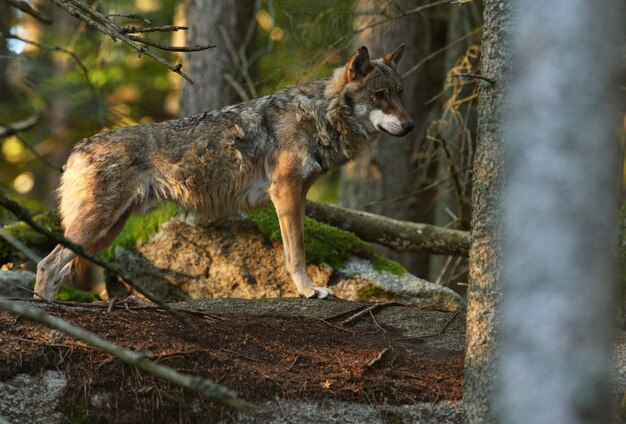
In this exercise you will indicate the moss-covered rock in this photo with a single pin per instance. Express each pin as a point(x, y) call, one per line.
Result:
point(31, 238)
point(325, 244)
point(238, 257)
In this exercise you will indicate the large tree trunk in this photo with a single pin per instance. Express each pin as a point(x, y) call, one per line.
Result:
point(561, 208)
point(485, 285)
point(390, 168)
point(208, 21)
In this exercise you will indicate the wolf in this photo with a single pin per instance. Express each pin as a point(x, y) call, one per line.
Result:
point(227, 161)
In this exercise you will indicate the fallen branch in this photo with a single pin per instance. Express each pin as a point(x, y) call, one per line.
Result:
point(377, 359)
point(24, 215)
point(198, 384)
point(401, 236)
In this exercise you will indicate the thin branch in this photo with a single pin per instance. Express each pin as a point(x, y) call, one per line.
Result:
point(37, 155)
point(28, 9)
point(441, 50)
point(164, 28)
point(23, 125)
point(168, 48)
point(477, 76)
point(196, 383)
point(73, 55)
point(134, 16)
point(24, 215)
point(100, 22)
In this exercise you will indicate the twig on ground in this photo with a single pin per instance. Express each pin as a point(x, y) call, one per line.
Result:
point(198, 384)
point(293, 363)
point(438, 333)
point(377, 359)
point(377, 324)
point(232, 352)
point(369, 309)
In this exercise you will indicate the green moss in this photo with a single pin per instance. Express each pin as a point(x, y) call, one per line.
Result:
point(80, 412)
point(141, 227)
point(30, 237)
point(68, 293)
point(324, 243)
point(374, 292)
point(381, 263)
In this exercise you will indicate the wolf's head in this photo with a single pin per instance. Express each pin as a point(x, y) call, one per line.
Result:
point(373, 88)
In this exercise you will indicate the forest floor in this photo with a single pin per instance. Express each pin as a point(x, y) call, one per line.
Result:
point(266, 350)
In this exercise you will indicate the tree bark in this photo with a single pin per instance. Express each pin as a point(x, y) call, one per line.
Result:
point(558, 308)
point(400, 236)
point(389, 168)
point(207, 68)
point(485, 262)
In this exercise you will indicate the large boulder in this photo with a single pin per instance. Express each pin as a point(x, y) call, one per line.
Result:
point(241, 257)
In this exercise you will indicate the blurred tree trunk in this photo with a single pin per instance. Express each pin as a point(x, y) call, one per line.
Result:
point(393, 166)
point(558, 309)
point(485, 285)
point(208, 22)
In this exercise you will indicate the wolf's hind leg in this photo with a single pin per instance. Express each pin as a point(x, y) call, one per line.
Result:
point(49, 272)
point(59, 267)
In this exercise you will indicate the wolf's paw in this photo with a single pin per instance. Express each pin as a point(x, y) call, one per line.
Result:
point(320, 293)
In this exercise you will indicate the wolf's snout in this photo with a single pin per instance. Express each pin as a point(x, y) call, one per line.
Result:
point(408, 125)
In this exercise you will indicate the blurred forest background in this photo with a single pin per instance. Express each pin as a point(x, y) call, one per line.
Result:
point(72, 81)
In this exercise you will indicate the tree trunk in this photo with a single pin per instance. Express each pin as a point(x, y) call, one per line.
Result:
point(558, 307)
point(485, 285)
point(394, 167)
point(208, 21)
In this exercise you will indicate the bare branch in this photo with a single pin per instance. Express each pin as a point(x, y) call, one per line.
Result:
point(441, 50)
point(134, 16)
point(165, 47)
point(100, 22)
point(23, 125)
point(28, 9)
point(196, 383)
point(164, 28)
point(469, 75)
point(73, 55)
point(24, 215)
point(37, 155)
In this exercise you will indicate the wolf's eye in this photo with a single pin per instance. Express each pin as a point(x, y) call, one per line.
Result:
point(380, 95)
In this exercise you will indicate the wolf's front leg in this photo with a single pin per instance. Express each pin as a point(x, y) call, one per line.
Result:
point(286, 194)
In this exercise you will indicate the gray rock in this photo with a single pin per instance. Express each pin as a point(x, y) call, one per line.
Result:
point(32, 398)
point(16, 284)
point(336, 412)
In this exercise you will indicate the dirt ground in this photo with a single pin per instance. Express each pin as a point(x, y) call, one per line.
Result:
point(262, 357)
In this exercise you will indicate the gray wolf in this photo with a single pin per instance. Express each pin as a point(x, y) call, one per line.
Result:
point(222, 162)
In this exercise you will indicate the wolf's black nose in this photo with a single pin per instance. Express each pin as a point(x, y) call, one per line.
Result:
point(408, 125)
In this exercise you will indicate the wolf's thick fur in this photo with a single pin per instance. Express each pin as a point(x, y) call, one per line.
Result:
point(221, 162)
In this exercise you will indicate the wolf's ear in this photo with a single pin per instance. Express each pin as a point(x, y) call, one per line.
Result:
point(394, 58)
point(359, 65)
